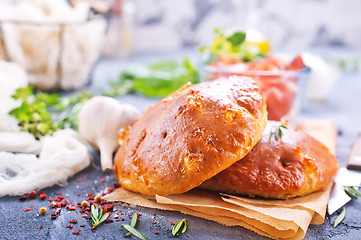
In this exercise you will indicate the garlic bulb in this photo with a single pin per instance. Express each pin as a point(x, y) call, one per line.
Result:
point(99, 120)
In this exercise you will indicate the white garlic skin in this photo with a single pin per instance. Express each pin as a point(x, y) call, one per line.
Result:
point(99, 120)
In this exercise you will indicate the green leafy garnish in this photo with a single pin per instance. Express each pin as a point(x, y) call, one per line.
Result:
point(97, 216)
point(237, 38)
point(154, 80)
point(179, 227)
point(134, 231)
point(32, 114)
point(43, 113)
point(276, 131)
point(233, 46)
point(339, 218)
point(67, 109)
point(133, 223)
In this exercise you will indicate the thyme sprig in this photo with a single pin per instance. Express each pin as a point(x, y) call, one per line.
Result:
point(276, 131)
point(97, 216)
point(179, 227)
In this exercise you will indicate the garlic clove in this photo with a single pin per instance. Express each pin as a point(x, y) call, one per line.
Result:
point(99, 120)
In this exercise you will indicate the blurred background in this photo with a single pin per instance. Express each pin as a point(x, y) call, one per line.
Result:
point(294, 25)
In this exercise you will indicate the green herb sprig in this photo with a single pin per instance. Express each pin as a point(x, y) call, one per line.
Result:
point(276, 131)
point(32, 114)
point(97, 216)
point(43, 113)
point(179, 227)
point(133, 223)
point(131, 228)
point(339, 218)
point(67, 109)
point(353, 193)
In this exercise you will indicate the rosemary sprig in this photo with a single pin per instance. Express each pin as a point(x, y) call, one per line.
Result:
point(277, 132)
point(133, 223)
point(339, 218)
point(352, 192)
point(97, 216)
point(179, 227)
point(134, 231)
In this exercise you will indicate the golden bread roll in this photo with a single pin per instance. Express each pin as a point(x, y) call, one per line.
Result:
point(191, 135)
point(281, 167)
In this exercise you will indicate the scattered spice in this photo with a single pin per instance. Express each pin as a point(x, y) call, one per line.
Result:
point(70, 226)
point(155, 222)
point(23, 198)
point(59, 198)
point(80, 180)
point(156, 233)
point(84, 204)
point(102, 180)
point(98, 198)
point(82, 225)
point(42, 196)
point(172, 223)
point(53, 204)
point(56, 213)
point(43, 210)
point(32, 194)
point(73, 221)
point(41, 227)
point(27, 209)
point(76, 232)
point(71, 207)
point(154, 214)
point(63, 203)
point(32, 204)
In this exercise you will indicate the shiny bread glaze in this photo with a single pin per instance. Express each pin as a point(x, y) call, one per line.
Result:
point(191, 135)
point(294, 165)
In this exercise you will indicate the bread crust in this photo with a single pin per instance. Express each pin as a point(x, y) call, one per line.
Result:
point(294, 165)
point(191, 135)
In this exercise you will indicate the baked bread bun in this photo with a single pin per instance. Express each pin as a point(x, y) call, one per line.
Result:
point(191, 135)
point(280, 166)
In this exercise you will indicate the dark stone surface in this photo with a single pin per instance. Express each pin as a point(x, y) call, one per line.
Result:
point(343, 106)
